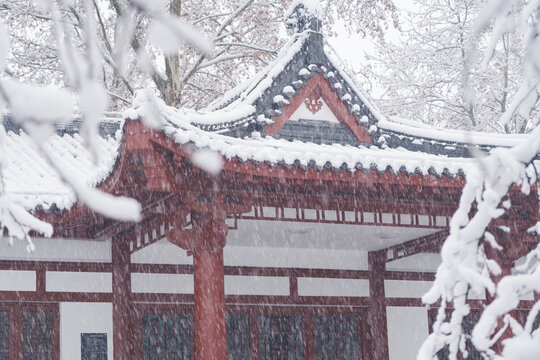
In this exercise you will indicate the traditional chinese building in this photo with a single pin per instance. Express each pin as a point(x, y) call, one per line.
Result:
point(291, 220)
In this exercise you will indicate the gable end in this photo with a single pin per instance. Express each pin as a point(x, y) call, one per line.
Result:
point(318, 87)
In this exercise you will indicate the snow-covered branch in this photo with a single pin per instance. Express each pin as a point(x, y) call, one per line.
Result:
point(85, 93)
point(465, 267)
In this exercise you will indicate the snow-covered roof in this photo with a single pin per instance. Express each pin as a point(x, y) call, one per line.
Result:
point(30, 179)
point(254, 104)
point(234, 126)
point(415, 136)
point(177, 125)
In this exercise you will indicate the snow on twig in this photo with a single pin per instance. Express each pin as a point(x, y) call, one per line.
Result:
point(464, 264)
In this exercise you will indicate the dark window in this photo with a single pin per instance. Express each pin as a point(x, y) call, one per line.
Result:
point(280, 337)
point(94, 346)
point(166, 337)
point(4, 334)
point(238, 337)
point(37, 334)
point(337, 337)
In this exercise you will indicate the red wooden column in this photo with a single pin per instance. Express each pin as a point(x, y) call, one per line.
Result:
point(206, 241)
point(377, 306)
point(121, 293)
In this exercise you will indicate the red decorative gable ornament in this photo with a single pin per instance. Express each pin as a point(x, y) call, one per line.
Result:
point(313, 101)
point(316, 90)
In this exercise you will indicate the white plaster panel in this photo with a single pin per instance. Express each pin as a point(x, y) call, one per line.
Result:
point(527, 296)
point(310, 214)
point(256, 285)
point(350, 216)
point(406, 288)
point(289, 213)
point(57, 250)
point(311, 235)
point(428, 262)
point(479, 295)
point(415, 289)
point(17, 280)
point(369, 217)
point(269, 212)
point(332, 287)
point(440, 220)
point(162, 252)
point(330, 215)
point(61, 281)
point(324, 114)
point(77, 318)
point(295, 258)
point(423, 220)
point(405, 219)
point(407, 329)
point(387, 218)
point(162, 283)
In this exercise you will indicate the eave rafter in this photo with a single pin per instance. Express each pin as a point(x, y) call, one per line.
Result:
point(424, 244)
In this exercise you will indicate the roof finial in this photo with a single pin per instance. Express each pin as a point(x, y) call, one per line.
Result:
point(304, 15)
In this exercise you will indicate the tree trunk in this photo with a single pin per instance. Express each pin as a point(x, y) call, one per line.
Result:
point(172, 66)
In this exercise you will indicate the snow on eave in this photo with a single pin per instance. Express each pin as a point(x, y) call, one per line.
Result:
point(428, 133)
point(33, 183)
point(147, 106)
point(303, 154)
point(226, 115)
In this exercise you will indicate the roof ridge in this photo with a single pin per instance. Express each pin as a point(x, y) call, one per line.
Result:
point(108, 125)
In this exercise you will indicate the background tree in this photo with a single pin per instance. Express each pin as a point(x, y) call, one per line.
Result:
point(465, 264)
point(246, 34)
point(422, 72)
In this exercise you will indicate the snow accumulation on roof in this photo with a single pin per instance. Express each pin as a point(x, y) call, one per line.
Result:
point(415, 136)
point(30, 180)
point(178, 126)
point(234, 126)
point(253, 104)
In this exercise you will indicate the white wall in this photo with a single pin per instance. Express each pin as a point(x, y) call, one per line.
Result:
point(406, 288)
point(77, 318)
point(407, 329)
point(324, 114)
point(17, 280)
point(295, 258)
point(256, 285)
point(162, 252)
point(162, 283)
point(57, 250)
point(99, 282)
point(418, 262)
point(332, 287)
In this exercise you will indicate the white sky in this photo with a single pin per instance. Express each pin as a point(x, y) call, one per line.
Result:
point(353, 48)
